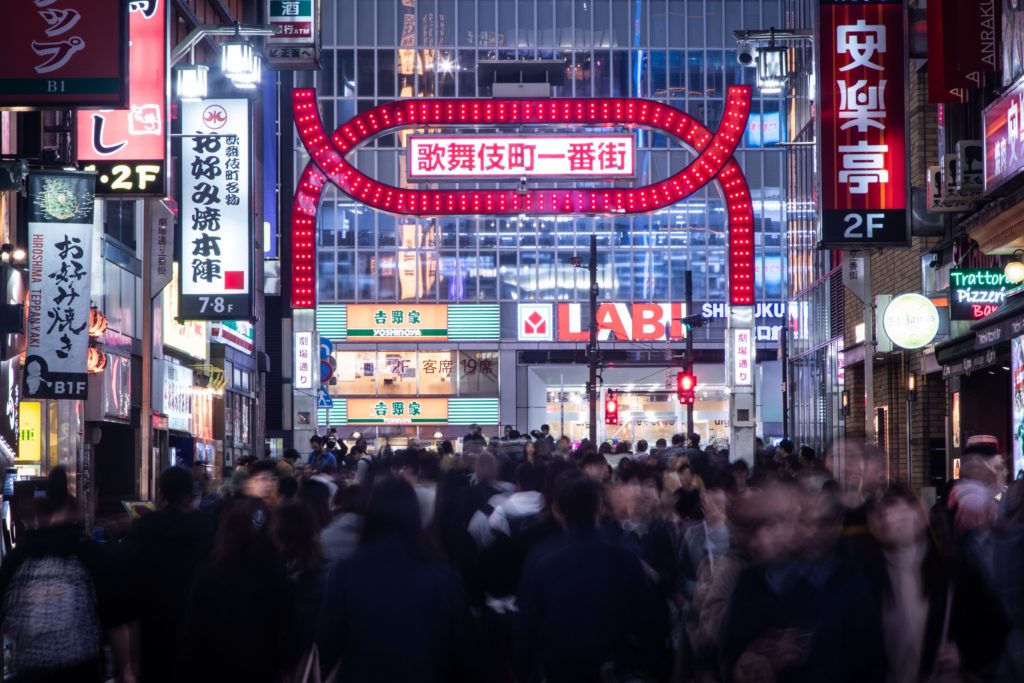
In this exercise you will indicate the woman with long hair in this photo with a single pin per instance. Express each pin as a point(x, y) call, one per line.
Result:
point(940, 620)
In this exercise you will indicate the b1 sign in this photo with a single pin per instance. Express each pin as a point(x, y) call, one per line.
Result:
point(863, 124)
point(440, 157)
point(1004, 137)
point(216, 230)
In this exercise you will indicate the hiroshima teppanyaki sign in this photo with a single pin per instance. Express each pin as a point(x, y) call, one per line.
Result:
point(714, 162)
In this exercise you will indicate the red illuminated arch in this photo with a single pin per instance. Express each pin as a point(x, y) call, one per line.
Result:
point(714, 162)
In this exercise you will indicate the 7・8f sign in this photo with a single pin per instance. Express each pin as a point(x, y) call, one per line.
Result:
point(863, 168)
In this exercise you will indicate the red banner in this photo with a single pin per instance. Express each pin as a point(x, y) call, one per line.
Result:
point(963, 45)
point(863, 124)
point(64, 53)
point(128, 146)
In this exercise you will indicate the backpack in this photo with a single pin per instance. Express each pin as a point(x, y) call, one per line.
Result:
point(49, 613)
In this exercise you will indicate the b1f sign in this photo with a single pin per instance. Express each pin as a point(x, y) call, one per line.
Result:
point(304, 365)
point(440, 157)
point(863, 124)
point(216, 224)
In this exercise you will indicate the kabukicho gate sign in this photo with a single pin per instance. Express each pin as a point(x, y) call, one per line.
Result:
point(524, 160)
point(520, 156)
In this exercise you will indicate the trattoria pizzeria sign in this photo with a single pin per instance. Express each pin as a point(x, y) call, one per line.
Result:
point(532, 156)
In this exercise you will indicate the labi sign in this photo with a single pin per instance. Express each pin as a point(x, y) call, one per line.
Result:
point(976, 292)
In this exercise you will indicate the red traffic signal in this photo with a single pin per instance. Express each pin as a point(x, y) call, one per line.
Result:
point(611, 409)
point(686, 383)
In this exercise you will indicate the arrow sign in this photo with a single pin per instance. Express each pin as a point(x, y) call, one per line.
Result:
point(326, 348)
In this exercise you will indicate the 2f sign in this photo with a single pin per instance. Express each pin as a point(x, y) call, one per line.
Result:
point(863, 226)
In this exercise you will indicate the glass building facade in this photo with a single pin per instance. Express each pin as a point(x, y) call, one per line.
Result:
point(680, 52)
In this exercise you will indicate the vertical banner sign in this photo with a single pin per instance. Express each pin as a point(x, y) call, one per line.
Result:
point(743, 357)
point(296, 40)
point(68, 53)
point(216, 220)
point(60, 218)
point(128, 147)
point(863, 124)
point(303, 378)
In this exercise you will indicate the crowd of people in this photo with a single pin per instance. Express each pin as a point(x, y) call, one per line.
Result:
point(527, 559)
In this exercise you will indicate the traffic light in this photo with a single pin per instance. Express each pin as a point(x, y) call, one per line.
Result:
point(611, 409)
point(686, 384)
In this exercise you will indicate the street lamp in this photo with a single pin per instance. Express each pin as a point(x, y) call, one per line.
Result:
point(192, 81)
point(240, 63)
point(1014, 270)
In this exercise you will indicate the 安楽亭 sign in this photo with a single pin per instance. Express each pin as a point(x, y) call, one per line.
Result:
point(64, 53)
point(60, 221)
point(216, 230)
point(976, 293)
point(128, 147)
point(863, 124)
point(434, 157)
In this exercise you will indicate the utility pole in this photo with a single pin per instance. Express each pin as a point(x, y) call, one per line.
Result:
point(784, 353)
point(592, 359)
point(688, 361)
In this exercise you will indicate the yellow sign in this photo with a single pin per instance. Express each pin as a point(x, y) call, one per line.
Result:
point(188, 337)
point(397, 411)
point(30, 431)
point(428, 322)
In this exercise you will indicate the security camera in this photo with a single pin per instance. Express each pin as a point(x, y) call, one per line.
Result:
point(934, 263)
point(746, 53)
point(522, 188)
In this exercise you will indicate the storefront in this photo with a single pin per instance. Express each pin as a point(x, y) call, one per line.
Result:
point(232, 383)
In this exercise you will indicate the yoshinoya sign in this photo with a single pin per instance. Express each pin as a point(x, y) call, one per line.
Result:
point(397, 411)
point(634, 322)
point(911, 321)
point(409, 322)
point(65, 53)
point(976, 293)
point(1003, 123)
point(438, 157)
point(216, 223)
point(863, 124)
point(128, 147)
point(60, 222)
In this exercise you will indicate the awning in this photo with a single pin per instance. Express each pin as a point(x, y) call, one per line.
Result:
point(1001, 326)
point(970, 364)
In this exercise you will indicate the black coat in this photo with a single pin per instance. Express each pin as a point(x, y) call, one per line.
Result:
point(165, 550)
point(827, 605)
point(390, 615)
point(585, 602)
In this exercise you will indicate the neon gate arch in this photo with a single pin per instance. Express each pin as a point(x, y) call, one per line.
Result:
point(714, 162)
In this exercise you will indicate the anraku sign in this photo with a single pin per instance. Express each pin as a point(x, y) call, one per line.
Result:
point(863, 123)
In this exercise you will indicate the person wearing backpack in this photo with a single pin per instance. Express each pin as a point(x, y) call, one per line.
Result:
point(59, 595)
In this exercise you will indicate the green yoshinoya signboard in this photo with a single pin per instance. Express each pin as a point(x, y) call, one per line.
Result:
point(409, 322)
point(410, 411)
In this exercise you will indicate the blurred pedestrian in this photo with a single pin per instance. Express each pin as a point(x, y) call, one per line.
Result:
point(395, 584)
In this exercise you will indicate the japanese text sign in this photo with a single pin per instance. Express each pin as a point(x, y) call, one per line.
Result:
point(64, 52)
point(127, 147)
point(428, 322)
point(976, 292)
point(60, 219)
point(743, 357)
point(863, 124)
point(532, 156)
point(1004, 137)
point(296, 40)
point(304, 364)
point(397, 411)
point(216, 230)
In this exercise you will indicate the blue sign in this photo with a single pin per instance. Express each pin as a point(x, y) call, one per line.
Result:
point(326, 348)
point(764, 130)
point(324, 400)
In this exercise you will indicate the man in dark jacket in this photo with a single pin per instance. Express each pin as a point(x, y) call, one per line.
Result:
point(585, 603)
point(166, 548)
